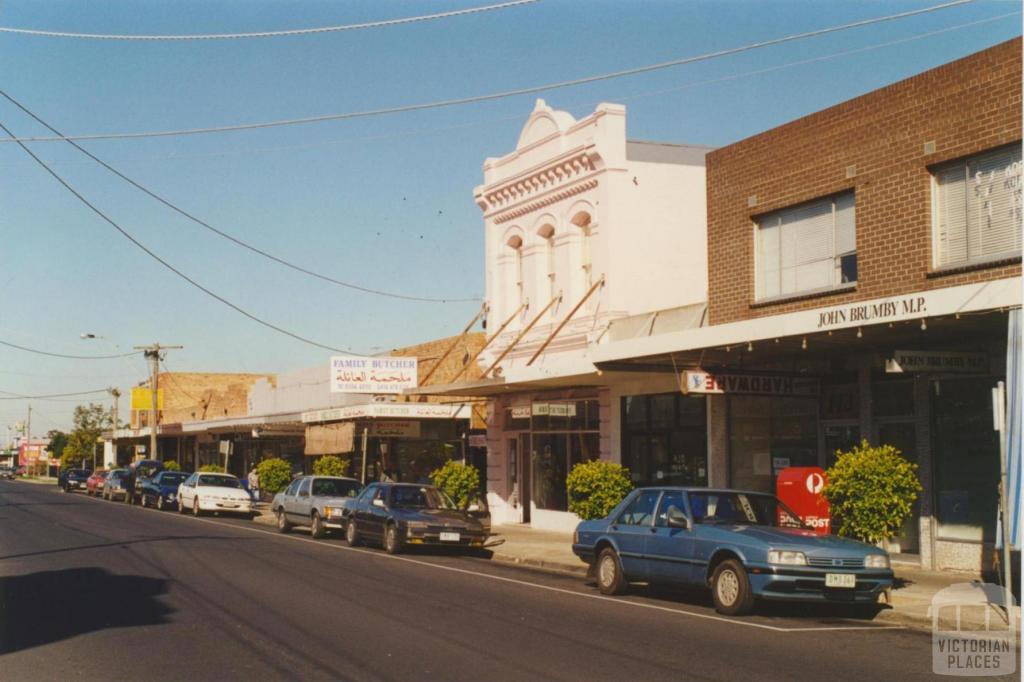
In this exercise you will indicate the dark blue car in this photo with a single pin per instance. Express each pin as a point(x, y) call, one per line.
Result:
point(161, 491)
point(73, 479)
point(743, 545)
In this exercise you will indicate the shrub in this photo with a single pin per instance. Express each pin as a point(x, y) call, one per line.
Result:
point(330, 465)
point(870, 490)
point(212, 468)
point(459, 481)
point(172, 465)
point(275, 474)
point(595, 487)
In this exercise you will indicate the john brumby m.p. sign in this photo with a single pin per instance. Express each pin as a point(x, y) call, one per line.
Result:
point(878, 311)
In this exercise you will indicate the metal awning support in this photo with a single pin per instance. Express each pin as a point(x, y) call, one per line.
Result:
point(488, 341)
point(598, 284)
point(454, 345)
point(526, 329)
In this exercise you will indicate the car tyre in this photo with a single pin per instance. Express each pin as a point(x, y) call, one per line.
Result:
point(316, 526)
point(160, 503)
point(195, 507)
point(352, 534)
point(610, 577)
point(181, 506)
point(730, 589)
point(283, 525)
point(393, 543)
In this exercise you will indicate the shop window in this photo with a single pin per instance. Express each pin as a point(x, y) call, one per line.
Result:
point(665, 439)
point(811, 247)
point(565, 433)
point(893, 398)
point(976, 208)
point(517, 418)
point(840, 402)
point(769, 434)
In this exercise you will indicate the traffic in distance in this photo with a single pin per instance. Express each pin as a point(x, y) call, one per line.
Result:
point(743, 546)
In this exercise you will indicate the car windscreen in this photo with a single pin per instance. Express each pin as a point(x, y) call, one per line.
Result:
point(332, 487)
point(742, 508)
point(172, 479)
point(220, 481)
point(79, 472)
point(120, 473)
point(418, 497)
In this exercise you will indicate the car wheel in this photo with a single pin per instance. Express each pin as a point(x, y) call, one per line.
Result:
point(283, 526)
point(160, 503)
point(610, 578)
point(181, 506)
point(730, 589)
point(64, 488)
point(392, 539)
point(316, 526)
point(195, 507)
point(352, 534)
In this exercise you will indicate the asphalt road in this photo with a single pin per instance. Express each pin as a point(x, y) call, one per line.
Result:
point(99, 590)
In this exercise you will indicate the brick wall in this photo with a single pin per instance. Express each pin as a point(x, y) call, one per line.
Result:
point(196, 396)
point(964, 107)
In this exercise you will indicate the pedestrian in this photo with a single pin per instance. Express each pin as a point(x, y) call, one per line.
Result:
point(254, 484)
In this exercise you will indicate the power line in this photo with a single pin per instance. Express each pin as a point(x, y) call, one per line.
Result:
point(163, 262)
point(269, 34)
point(64, 355)
point(17, 396)
point(225, 235)
point(498, 95)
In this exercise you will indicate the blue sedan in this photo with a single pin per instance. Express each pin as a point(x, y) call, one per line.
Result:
point(743, 545)
point(162, 490)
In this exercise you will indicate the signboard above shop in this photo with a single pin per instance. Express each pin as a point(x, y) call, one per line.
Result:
point(941, 362)
point(355, 374)
point(734, 383)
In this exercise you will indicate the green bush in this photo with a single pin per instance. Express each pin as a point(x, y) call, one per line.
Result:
point(330, 465)
point(172, 465)
point(459, 481)
point(870, 491)
point(212, 468)
point(275, 474)
point(595, 487)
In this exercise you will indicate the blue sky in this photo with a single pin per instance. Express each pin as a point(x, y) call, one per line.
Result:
point(384, 202)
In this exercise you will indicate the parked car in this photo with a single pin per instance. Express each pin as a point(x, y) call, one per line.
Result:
point(137, 473)
point(94, 484)
point(115, 484)
point(209, 492)
point(73, 479)
point(743, 545)
point(161, 490)
point(7, 472)
point(314, 501)
point(399, 514)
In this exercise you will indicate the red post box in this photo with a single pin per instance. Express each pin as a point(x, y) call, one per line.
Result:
point(799, 488)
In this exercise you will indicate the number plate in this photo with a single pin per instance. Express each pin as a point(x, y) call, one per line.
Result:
point(845, 580)
point(450, 537)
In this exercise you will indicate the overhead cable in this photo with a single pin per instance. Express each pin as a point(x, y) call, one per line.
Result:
point(497, 95)
point(163, 262)
point(18, 396)
point(269, 34)
point(225, 235)
point(65, 355)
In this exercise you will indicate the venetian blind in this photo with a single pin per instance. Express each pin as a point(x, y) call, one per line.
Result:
point(978, 208)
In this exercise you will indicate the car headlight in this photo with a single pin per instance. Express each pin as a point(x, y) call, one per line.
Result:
point(786, 557)
point(876, 561)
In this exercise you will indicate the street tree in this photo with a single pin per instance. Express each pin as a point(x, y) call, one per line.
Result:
point(58, 441)
point(90, 421)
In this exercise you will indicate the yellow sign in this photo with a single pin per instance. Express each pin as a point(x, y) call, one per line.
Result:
point(142, 399)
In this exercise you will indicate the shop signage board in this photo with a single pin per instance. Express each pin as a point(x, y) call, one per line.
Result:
point(386, 410)
point(142, 399)
point(521, 412)
point(554, 409)
point(734, 383)
point(355, 374)
point(395, 429)
point(937, 361)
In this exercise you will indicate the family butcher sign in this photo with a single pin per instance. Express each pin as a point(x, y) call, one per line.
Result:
point(353, 374)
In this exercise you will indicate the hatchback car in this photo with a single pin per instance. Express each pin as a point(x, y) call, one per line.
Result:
point(205, 492)
point(396, 515)
point(94, 484)
point(314, 501)
point(743, 545)
point(73, 479)
point(115, 485)
point(161, 491)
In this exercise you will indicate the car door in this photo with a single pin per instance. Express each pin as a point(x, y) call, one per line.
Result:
point(631, 530)
point(375, 513)
point(302, 502)
point(358, 509)
point(670, 550)
point(287, 501)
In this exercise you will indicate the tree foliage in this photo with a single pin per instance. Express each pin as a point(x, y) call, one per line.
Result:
point(330, 465)
point(212, 468)
point(870, 491)
point(275, 474)
point(89, 421)
point(459, 481)
point(58, 441)
point(172, 465)
point(596, 487)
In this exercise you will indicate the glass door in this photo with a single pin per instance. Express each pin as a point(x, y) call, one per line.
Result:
point(902, 435)
point(524, 475)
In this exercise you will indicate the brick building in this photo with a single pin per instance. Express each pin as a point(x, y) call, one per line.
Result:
point(864, 268)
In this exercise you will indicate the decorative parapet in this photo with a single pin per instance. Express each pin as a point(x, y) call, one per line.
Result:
point(546, 201)
point(544, 180)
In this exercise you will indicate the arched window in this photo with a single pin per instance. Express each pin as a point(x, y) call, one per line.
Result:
point(547, 233)
point(582, 221)
point(515, 242)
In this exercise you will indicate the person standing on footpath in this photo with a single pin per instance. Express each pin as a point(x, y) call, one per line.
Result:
point(254, 484)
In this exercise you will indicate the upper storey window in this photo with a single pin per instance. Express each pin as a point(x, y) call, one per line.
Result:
point(976, 206)
point(808, 248)
point(515, 243)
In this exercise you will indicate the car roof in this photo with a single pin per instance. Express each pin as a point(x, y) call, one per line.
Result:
point(697, 489)
point(333, 478)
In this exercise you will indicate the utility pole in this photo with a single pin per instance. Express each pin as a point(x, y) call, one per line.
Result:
point(153, 353)
point(28, 433)
point(114, 418)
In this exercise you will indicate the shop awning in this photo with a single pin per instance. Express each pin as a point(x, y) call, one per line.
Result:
point(330, 439)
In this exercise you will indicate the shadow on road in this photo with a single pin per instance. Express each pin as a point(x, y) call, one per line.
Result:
point(125, 543)
point(49, 606)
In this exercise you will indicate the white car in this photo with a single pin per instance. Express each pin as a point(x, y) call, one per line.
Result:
point(210, 492)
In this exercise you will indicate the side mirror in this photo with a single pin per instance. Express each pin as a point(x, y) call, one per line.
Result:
point(677, 519)
point(377, 502)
